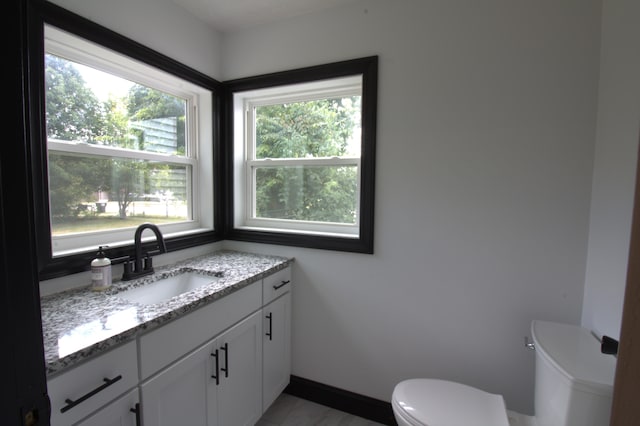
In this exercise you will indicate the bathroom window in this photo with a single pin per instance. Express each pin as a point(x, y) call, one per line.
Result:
point(127, 143)
point(303, 157)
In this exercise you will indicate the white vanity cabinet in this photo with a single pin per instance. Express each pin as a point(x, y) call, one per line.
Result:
point(217, 384)
point(222, 364)
point(232, 378)
point(276, 338)
point(81, 391)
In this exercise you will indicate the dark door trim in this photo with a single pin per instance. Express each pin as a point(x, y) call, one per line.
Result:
point(25, 398)
point(626, 410)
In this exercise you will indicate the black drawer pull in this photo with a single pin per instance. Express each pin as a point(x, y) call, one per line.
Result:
point(136, 411)
point(270, 332)
point(282, 284)
point(217, 375)
point(225, 348)
point(71, 403)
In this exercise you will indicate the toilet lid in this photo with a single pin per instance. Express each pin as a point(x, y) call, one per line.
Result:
point(433, 402)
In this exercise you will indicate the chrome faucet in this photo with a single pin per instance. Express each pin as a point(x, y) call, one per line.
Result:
point(139, 266)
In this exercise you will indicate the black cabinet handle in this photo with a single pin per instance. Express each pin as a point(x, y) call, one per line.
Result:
point(270, 332)
point(217, 375)
point(136, 410)
point(282, 284)
point(225, 348)
point(71, 403)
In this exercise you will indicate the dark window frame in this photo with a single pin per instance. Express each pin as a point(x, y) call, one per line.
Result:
point(368, 68)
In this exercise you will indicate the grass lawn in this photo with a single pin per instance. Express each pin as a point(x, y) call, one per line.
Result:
point(99, 222)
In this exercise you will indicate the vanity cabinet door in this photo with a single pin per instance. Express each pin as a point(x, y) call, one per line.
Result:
point(121, 412)
point(239, 392)
point(276, 347)
point(217, 384)
point(183, 394)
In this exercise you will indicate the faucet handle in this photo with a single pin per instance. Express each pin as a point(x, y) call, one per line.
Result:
point(127, 273)
point(148, 262)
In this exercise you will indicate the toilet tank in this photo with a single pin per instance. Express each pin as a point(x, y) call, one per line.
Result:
point(574, 380)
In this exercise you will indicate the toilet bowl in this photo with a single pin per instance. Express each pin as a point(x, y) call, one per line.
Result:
point(573, 387)
point(419, 402)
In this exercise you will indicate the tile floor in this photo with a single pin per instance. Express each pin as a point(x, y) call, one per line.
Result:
point(289, 410)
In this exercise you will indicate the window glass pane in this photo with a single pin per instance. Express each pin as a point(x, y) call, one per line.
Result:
point(308, 193)
point(85, 106)
point(99, 193)
point(90, 106)
point(318, 128)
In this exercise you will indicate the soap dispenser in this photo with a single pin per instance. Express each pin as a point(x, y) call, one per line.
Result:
point(101, 271)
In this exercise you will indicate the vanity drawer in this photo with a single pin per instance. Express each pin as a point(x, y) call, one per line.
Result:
point(170, 342)
point(276, 284)
point(89, 386)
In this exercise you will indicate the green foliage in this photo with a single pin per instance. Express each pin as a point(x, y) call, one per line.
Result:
point(144, 103)
point(313, 129)
point(72, 110)
point(319, 128)
point(320, 194)
point(73, 113)
point(67, 193)
point(116, 130)
point(125, 183)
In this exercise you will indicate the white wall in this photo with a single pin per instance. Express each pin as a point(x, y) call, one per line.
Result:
point(486, 128)
point(615, 167)
point(158, 24)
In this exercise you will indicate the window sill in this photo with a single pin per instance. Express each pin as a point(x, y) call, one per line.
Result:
point(78, 261)
point(314, 240)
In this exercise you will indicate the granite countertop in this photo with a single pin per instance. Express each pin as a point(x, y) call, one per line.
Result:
point(80, 323)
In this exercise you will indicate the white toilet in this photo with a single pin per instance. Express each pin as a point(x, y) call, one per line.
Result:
point(573, 387)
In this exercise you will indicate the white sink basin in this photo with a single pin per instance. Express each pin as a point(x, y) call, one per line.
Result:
point(166, 288)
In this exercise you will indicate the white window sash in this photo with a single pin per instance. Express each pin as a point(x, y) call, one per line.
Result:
point(96, 150)
point(246, 104)
point(295, 162)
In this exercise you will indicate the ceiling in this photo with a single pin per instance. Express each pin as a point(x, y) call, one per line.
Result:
point(230, 15)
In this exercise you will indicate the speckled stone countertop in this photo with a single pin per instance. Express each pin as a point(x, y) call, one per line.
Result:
point(80, 323)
